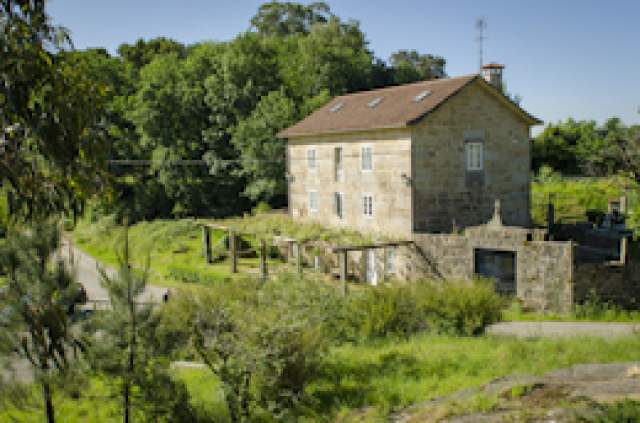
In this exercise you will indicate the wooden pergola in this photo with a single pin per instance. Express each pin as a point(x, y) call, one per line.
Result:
point(341, 250)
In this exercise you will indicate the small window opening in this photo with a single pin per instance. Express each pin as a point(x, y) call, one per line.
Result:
point(424, 94)
point(373, 103)
point(336, 107)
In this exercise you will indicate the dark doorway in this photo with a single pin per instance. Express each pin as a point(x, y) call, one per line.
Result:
point(497, 265)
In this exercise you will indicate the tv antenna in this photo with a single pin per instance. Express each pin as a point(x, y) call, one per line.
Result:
point(481, 25)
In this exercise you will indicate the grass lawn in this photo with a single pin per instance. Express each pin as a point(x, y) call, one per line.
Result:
point(375, 379)
point(367, 382)
point(97, 406)
point(174, 247)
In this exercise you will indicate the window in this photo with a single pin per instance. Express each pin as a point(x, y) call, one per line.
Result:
point(336, 107)
point(367, 205)
point(373, 103)
point(311, 159)
point(366, 158)
point(313, 201)
point(338, 202)
point(424, 94)
point(474, 156)
point(337, 163)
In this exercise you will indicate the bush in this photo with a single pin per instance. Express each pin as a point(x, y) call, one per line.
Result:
point(453, 308)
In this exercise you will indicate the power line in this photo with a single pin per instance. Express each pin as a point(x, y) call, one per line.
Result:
point(196, 162)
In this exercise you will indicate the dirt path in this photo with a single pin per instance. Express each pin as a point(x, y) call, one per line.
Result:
point(563, 329)
point(89, 276)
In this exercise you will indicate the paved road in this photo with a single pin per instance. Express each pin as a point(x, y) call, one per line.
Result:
point(89, 276)
point(563, 329)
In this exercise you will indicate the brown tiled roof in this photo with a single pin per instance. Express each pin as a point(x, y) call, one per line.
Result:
point(397, 108)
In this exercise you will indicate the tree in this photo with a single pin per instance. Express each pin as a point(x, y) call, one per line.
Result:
point(333, 57)
point(284, 19)
point(50, 131)
point(584, 148)
point(143, 52)
point(411, 66)
point(37, 307)
point(170, 116)
point(262, 154)
point(263, 342)
point(128, 352)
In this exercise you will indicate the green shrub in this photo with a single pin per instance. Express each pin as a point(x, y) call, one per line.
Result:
point(454, 308)
point(460, 308)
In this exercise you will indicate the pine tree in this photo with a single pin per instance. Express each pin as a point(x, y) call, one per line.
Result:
point(36, 310)
point(125, 349)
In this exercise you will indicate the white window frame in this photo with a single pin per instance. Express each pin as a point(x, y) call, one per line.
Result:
point(362, 148)
point(312, 208)
point(367, 205)
point(338, 198)
point(474, 155)
point(312, 159)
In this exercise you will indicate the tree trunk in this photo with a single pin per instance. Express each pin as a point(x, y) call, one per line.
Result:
point(125, 395)
point(48, 402)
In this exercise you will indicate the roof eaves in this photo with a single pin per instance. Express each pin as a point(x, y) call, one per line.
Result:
point(528, 116)
point(342, 131)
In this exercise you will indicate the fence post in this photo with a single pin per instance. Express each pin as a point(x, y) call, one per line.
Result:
point(384, 265)
point(550, 215)
point(233, 251)
point(299, 250)
point(263, 260)
point(206, 244)
point(342, 258)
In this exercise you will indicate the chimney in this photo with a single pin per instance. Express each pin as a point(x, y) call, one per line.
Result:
point(492, 73)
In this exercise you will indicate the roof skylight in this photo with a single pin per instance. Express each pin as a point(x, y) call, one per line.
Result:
point(424, 94)
point(336, 107)
point(373, 103)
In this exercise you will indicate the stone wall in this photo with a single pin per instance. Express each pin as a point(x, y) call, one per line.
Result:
point(391, 194)
point(609, 281)
point(545, 275)
point(544, 269)
point(444, 192)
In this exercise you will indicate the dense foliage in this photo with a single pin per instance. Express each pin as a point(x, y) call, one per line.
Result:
point(266, 342)
point(192, 129)
point(584, 148)
point(51, 115)
point(37, 306)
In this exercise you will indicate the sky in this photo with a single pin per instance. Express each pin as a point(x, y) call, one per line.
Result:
point(564, 58)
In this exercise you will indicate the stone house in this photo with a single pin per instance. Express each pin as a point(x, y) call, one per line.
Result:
point(417, 158)
point(444, 165)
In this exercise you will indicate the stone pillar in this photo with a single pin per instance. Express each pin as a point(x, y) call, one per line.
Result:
point(551, 215)
point(623, 204)
point(624, 248)
point(263, 260)
point(206, 244)
point(496, 220)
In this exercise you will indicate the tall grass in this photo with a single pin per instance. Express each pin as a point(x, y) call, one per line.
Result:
point(389, 374)
point(572, 197)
